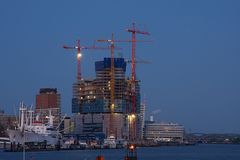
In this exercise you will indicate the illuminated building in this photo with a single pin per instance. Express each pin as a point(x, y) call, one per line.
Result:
point(92, 98)
point(163, 132)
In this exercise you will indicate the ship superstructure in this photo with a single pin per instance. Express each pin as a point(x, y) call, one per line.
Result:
point(30, 129)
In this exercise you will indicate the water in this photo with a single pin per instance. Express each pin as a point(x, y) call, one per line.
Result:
point(198, 152)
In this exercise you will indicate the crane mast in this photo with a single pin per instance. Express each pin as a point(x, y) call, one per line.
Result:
point(79, 55)
point(132, 127)
point(131, 116)
point(112, 84)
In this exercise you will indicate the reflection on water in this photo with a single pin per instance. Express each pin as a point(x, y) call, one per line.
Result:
point(198, 152)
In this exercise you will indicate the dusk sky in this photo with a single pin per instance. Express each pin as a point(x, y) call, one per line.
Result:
point(194, 75)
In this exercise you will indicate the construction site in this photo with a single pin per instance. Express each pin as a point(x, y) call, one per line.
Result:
point(109, 105)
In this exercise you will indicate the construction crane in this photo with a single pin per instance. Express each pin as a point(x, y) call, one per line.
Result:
point(132, 116)
point(134, 31)
point(112, 83)
point(138, 61)
point(79, 55)
point(112, 42)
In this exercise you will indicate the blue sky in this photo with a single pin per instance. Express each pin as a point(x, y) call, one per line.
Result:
point(193, 78)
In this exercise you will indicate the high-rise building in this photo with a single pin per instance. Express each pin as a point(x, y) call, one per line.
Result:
point(93, 96)
point(92, 99)
point(48, 102)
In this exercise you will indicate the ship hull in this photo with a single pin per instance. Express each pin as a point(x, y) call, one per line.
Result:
point(18, 137)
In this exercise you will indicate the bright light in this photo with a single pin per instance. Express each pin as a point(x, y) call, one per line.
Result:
point(112, 106)
point(131, 147)
point(79, 55)
point(133, 116)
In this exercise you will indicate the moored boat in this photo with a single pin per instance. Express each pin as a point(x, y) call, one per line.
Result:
point(30, 130)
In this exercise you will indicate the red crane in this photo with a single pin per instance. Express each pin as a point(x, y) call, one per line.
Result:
point(112, 47)
point(112, 82)
point(79, 55)
point(134, 31)
point(112, 42)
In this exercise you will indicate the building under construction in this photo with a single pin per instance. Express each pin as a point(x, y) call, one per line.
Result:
point(92, 100)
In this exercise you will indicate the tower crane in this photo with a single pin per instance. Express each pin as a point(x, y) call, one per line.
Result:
point(78, 47)
point(134, 31)
point(112, 83)
point(112, 42)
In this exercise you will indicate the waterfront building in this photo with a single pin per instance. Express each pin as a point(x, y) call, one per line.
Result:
point(164, 132)
point(92, 99)
point(93, 96)
point(48, 102)
point(98, 124)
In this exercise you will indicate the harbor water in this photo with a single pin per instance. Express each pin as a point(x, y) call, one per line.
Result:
point(195, 152)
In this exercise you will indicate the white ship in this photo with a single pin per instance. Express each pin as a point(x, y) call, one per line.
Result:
point(32, 130)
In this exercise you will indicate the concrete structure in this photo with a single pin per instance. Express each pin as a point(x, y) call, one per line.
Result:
point(48, 100)
point(92, 99)
point(164, 132)
point(98, 124)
